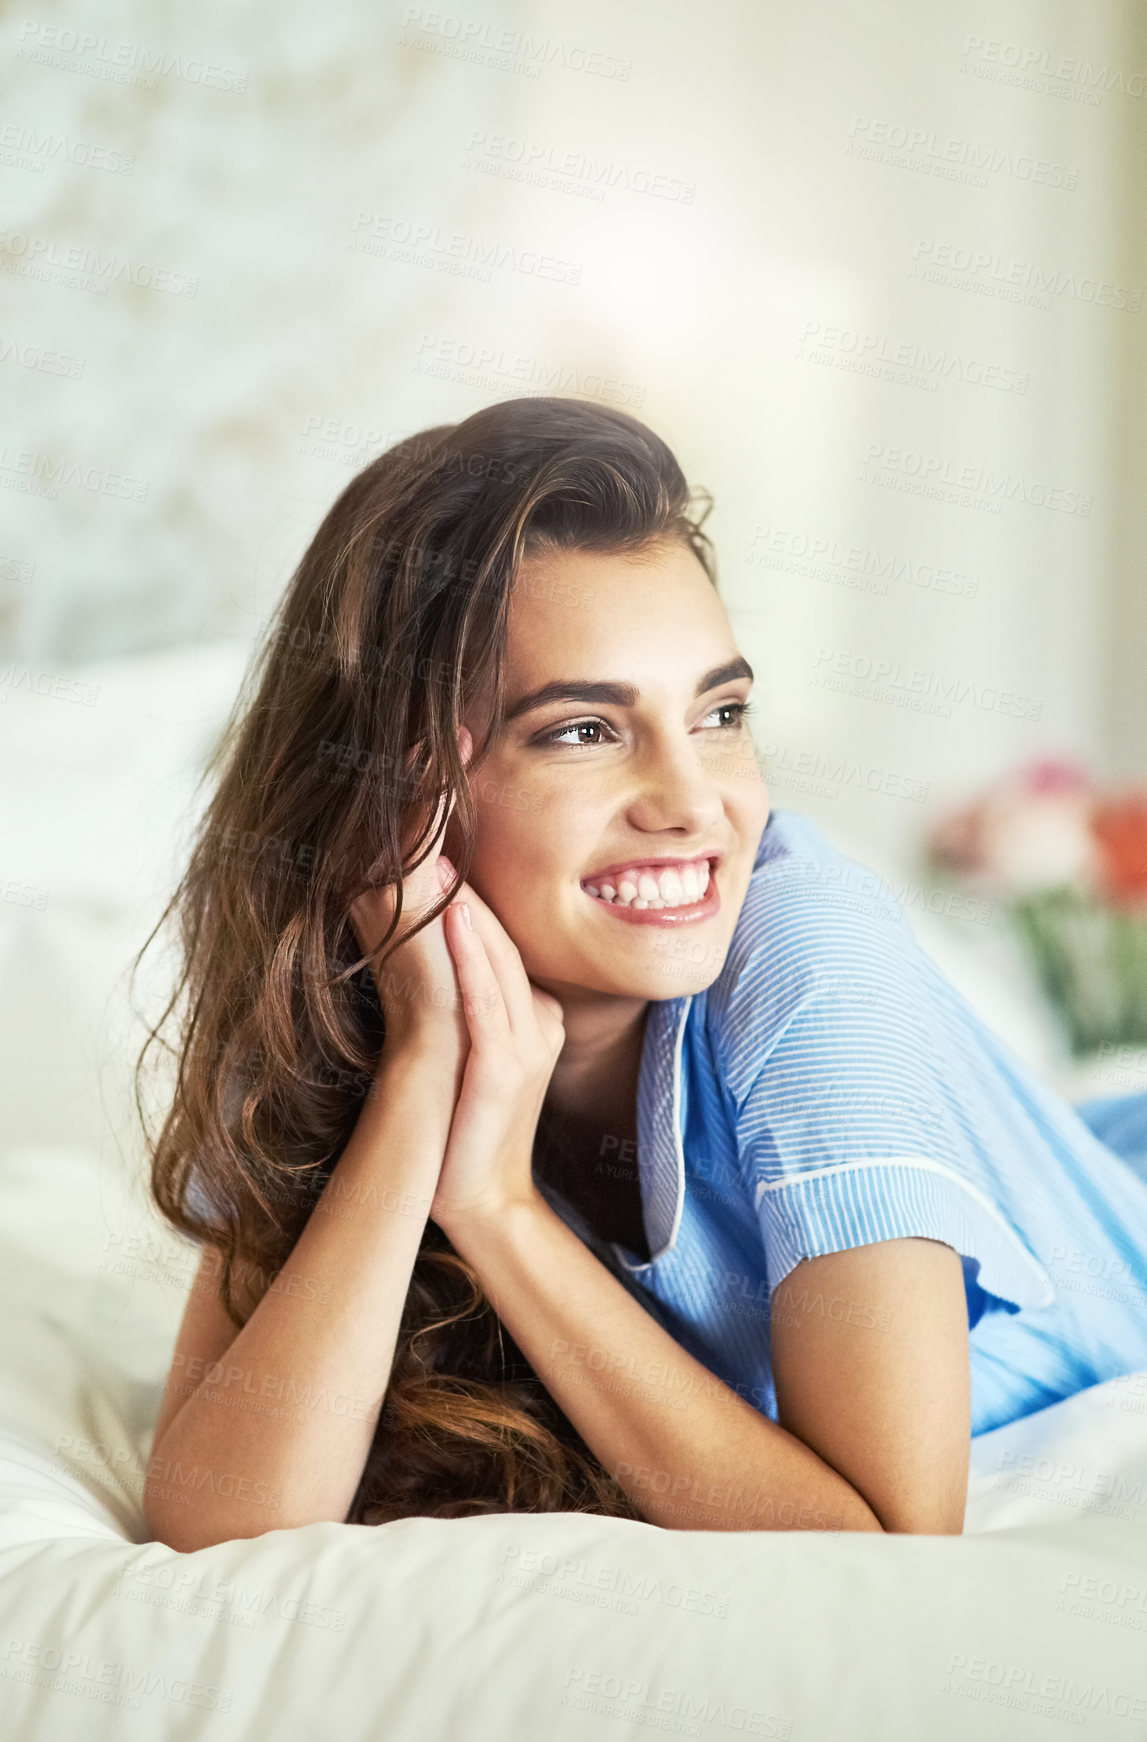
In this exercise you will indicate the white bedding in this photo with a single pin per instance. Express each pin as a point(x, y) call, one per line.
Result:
point(515, 1627)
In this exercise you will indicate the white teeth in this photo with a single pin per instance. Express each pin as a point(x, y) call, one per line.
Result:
point(653, 889)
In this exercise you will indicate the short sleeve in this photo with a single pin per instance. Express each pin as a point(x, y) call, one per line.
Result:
point(864, 1119)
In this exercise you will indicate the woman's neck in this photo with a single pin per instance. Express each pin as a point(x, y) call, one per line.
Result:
point(595, 1078)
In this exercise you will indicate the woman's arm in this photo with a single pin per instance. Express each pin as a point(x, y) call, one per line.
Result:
point(877, 1433)
point(687, 1450)
point(870, 1362)
point(277, 1434)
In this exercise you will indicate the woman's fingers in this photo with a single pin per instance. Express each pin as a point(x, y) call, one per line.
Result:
point(528, 1009)
point(482, 996)
point(505, 961)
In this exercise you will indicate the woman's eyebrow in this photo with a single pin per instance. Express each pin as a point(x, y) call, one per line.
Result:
point(623, 695)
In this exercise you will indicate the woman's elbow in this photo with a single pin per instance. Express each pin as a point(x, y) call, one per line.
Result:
point(925, 1515)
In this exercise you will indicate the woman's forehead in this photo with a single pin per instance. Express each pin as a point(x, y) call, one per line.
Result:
point(591, 601)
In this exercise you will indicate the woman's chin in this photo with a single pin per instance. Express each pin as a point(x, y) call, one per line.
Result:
point(658, 980)
point(657, 964)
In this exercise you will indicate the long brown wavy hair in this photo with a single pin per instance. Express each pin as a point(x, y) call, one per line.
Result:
point(344, 729)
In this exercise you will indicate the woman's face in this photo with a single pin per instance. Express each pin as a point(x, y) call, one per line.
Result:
point(623, 756)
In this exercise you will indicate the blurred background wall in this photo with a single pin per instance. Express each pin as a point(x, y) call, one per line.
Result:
point(874, 271)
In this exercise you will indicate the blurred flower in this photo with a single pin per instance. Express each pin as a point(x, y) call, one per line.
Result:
point(1070, 862)
point(1030, 831)
point(1119, 824)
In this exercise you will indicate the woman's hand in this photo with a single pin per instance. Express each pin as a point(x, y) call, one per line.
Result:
point(416, 984)
point(516, 1036)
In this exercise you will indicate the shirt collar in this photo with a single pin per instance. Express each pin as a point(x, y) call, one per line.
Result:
point(660, 1151)
point(661, 1099)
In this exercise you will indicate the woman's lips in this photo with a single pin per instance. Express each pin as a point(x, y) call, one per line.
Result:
point(692, 914)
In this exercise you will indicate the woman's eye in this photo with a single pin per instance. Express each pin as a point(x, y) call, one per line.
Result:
point(559, 732)
point(738, 711)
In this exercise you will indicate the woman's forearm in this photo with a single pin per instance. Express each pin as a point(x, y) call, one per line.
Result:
point(690, 1452)
point(278, 1431)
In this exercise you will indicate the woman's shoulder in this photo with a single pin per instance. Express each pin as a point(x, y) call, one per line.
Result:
point(808, 906)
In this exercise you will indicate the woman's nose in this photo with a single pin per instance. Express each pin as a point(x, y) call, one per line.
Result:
point(677, 780)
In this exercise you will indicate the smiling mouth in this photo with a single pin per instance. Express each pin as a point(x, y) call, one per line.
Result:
point(659, 894)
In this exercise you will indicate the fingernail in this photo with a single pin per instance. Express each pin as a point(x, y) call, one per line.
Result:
point(465, 906)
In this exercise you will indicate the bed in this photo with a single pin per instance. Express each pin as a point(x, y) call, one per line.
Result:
point(513, 1626)
point(505, 1627)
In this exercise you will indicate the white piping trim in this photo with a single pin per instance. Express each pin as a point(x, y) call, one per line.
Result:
point(678, 1143)
point(921, 1164)
point(679, 1210)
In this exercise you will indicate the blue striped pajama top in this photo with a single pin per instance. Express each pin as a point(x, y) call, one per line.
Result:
point(831, 1088)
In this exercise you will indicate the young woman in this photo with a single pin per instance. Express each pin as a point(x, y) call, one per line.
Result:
point(563, 1129)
